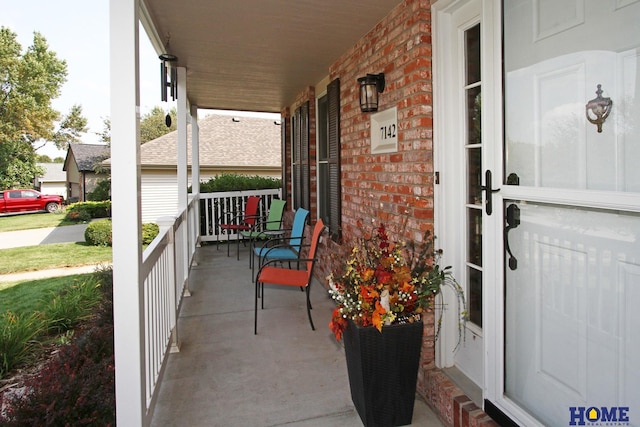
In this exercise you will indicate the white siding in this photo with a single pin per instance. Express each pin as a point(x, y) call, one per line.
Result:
point(159, 195)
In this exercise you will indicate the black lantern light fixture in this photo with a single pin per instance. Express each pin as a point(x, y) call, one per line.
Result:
point(168, 82)
point(370, 86)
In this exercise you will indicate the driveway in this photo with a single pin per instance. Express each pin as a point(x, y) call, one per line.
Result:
point(42, 236)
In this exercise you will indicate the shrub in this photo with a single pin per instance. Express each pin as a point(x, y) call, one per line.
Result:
point(237, 182)
point(84, 211)
point(16, 335)
point(98, 233)
point(66, 310)
point(149, 232)
point(101, 191)
point(77, 385)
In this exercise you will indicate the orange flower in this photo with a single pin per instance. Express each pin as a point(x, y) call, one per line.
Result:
point(376, 317)
point(368, 294)
point(337, 324)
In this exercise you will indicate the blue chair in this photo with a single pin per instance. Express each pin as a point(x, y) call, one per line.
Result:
point(286, 248)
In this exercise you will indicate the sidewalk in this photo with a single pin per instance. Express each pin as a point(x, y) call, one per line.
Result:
point(43, 236)
point(44, 274)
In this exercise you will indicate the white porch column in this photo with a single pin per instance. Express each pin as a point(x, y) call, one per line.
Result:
point(126, 216)
point(183, 182)
point(195, 152)
point(183, 110)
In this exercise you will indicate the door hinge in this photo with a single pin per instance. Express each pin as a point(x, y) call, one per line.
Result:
point(437, 177)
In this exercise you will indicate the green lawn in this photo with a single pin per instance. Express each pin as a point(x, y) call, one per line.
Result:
point(29, 297)
point(34, 220)
point(56, 255)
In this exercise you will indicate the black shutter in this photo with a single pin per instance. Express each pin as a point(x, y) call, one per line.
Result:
point(295, 146)
point(333, 136)
point(305, 184)
point(283, 157)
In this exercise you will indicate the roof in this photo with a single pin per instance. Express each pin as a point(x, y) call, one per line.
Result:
point(257, 55)
point(53, 172)
point(87, 156)
point(225, 141)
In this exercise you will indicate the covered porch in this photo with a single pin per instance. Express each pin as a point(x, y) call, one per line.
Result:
point(224, 375)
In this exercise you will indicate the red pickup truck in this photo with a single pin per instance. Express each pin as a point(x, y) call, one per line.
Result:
point(28, 200)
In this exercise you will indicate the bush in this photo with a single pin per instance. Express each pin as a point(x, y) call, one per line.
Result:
point(66, 310)
point(101, 191)
point(84, 211)
point(236, 182)
point(16, 335)
point(77, 385)
point(149, 232)
point(98, 233)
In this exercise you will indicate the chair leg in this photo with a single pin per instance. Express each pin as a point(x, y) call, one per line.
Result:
point(255, 310)
point(228, 240)
point(313, 328)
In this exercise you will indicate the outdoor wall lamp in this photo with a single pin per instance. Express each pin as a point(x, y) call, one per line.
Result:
point(171, 82)
point(370, 86)
point(600, 107)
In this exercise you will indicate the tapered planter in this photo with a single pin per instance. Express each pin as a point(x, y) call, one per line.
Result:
point(383, 371)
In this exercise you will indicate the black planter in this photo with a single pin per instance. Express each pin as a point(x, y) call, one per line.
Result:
point(383, 371)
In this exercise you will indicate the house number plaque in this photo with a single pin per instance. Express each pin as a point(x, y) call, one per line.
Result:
point(384, 131)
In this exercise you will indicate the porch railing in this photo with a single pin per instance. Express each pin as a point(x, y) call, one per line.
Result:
point(214, 207)
point(165, 271)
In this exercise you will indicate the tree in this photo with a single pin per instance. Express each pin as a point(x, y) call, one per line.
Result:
point(29, 81)
point(153, 125)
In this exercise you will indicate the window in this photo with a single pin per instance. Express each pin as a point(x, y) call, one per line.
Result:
point(300, 157)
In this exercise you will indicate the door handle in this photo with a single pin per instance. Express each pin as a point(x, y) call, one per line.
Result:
point(513, 221)
point(488, 207)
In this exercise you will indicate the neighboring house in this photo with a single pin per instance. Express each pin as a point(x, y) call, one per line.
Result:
point(80, 166)
point(228, 144)
point(507, 128)
point(54, 180)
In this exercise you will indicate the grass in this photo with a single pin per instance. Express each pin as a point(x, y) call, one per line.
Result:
point(31, 311)
point(27, 297)
point(55, 255)
point(34, 220)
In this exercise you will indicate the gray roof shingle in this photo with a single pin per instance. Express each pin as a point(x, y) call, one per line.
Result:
point(87, 156)
point(224, 141)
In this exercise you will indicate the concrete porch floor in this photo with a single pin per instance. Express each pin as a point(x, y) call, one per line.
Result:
point(287, 375)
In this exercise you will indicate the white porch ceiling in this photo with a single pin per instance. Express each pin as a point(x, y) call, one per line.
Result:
point(256, 55)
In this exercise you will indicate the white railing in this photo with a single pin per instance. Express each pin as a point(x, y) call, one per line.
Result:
point(165, 272)
point(214, 208)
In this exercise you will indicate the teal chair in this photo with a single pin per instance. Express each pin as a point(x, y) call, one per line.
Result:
point(286, 248)
point(269, 228)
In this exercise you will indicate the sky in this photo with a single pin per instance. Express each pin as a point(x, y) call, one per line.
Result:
point(78, 31)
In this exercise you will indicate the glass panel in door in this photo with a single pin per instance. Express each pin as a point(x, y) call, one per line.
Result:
point(572, 275)
point(473, 148)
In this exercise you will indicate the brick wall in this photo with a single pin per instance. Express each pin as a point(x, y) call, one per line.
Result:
point(394, 188)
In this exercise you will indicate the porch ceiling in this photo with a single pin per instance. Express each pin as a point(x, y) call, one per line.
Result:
point(256, 55)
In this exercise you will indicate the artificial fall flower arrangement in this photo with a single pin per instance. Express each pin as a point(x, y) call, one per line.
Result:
point(384, 283)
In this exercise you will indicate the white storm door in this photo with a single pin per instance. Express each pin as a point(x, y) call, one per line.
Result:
point(571, 198)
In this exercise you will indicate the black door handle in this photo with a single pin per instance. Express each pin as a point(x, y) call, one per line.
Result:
point(487, 187)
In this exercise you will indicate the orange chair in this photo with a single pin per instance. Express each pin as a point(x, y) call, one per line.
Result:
point(289, 277)
point(243, 222)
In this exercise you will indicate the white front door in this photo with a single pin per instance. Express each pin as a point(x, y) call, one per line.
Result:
point(460, 161)
point(571, 196)
point(556, 338)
